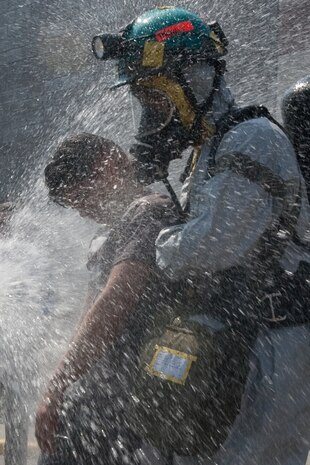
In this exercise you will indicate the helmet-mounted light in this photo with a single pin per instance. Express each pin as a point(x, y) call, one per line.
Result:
point(107, 46)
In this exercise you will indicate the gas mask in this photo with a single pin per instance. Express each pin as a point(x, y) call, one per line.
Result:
point(161, 136)
point(168, 120)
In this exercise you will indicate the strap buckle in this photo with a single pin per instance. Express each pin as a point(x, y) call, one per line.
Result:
point(274, 318)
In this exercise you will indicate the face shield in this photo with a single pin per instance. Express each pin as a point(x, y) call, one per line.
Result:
point(163, 117)
point(152, 110)
point(200, 78)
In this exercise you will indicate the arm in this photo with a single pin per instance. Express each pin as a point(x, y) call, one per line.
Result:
point(100, 326)
point(230, 212)
point(236, 213)
point(103, 322)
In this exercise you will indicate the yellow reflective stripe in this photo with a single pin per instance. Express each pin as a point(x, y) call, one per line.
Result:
point(207, 130)
point(217, 42)
point(195, 158)
point(176, 94)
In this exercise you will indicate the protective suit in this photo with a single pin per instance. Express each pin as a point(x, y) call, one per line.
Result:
point(228, 215)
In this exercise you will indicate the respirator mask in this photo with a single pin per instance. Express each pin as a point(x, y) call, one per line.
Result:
point(160, 134)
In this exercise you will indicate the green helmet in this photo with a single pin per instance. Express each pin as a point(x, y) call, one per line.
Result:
point(162, 38)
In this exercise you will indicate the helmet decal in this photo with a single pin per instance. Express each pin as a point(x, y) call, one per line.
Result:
point(153, 54)
point(170, 31)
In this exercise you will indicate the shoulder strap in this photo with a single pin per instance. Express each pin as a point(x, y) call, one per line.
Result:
point(233, 118)
point(229, 120)
point(262, 175)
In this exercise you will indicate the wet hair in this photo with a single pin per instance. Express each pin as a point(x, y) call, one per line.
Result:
point(75, 160)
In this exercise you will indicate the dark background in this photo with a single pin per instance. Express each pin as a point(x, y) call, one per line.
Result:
point(50, 85)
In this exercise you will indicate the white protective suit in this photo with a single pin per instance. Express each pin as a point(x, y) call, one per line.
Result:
point(228, 214)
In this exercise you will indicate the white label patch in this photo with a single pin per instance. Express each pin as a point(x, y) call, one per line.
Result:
point(170, 364)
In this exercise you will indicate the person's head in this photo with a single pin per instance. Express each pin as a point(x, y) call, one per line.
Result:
point(296, 119)
point(172, 61)
point(92, 175)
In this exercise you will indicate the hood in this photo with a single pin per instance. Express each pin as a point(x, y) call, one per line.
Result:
point(200, 78)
